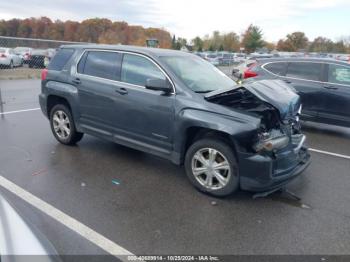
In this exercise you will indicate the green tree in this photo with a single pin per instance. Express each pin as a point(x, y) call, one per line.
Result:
point(197, 44)
point(252, 38)
point(173, 42)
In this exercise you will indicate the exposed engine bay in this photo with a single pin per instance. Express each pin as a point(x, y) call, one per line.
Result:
point(279, 122)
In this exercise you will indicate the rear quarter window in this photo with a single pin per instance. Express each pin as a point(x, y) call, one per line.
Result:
point(60, 59)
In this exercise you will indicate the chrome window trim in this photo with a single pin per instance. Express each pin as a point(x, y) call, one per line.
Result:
point(295, 78)
point(116, 81)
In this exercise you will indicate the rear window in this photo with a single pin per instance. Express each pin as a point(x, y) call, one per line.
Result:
point(276, 68)
point(2, 51)
point(60, 59)
point(304, 70)
point(102, 64)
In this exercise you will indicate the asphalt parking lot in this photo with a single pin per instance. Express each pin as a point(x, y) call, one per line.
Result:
point(147, 206)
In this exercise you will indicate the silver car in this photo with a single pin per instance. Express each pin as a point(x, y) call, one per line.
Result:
point(20, 238)
point(8, 58)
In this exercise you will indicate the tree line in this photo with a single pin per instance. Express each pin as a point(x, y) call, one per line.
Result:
point(96, 30)
point(252, 40)
point(101, 30)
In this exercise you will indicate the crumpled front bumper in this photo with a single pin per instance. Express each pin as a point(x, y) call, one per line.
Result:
point(263, 172)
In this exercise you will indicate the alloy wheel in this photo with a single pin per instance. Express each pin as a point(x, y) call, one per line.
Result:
point(211, 168)
point(61, 124)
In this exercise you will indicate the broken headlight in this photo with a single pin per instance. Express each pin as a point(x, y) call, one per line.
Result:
point(271, 141)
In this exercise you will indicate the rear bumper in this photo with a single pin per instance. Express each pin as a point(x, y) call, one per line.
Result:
point(263, 173)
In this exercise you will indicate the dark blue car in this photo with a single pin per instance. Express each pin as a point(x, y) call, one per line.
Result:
point(179, 107)
point(323, 85)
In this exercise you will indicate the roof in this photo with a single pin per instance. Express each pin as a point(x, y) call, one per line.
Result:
point(137, 49)
point(305, 59)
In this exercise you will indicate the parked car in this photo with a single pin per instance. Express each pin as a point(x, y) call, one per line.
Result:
point(345, 58)
point(323, 85)
point(38, 59)
point(8, 58)
point(226, 58)
point(24, 52)
point(19, 238)
point(241, 67)
point(212, 58)
point(179, 107)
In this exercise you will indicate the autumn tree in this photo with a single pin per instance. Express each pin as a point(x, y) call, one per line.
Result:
point(293, 42)
point(252, 38)
point(321, 45)
point(230, 42)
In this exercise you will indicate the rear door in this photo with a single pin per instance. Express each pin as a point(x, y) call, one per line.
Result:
point(336, 94)
point(97, 73)
point(306, 78)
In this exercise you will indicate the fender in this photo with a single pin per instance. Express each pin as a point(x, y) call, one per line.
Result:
point(68, 92)
point(235, 126)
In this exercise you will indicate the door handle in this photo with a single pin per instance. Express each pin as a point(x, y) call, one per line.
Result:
point(287, 81)
point(76, 81)
point(331, 87)
point(122, 91)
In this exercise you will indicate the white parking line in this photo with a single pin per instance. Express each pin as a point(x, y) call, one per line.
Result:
point(329, 153)
point(19, 111)
point(73, 224)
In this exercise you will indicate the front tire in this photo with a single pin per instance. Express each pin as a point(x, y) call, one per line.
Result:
point(62, 125)
point(211, 167)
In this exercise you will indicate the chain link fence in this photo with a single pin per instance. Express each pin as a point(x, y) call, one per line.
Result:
point(25, 57)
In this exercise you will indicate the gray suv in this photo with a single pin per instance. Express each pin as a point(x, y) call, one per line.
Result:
point(177, 106)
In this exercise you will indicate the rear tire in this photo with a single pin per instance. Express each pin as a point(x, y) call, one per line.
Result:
point(211, 167)
point(62, 125)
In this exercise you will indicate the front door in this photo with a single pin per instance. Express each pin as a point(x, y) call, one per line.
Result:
point(143, 117)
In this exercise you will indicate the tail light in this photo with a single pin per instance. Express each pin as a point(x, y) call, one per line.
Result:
point(44, 74)
point(250, 72)
point(3, 55)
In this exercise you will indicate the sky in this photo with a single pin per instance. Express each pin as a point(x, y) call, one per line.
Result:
point(191, 18)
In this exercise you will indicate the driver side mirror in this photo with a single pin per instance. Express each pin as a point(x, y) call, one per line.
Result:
point(158, 85)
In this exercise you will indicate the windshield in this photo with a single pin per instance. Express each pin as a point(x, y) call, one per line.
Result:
point(198, 74)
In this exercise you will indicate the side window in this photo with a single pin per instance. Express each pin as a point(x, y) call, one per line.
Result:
point(278, 68)
point(101, 64)
point(137, 69)
point(339, 74)
point(60, 59)
point(304, 70)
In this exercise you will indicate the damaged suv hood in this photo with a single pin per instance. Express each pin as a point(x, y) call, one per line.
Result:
point(274, 92)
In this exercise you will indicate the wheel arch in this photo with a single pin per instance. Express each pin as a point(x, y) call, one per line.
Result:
point(53, 100)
